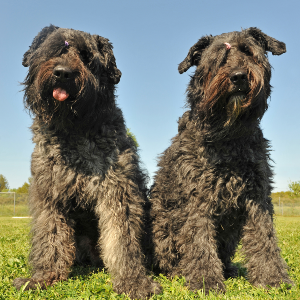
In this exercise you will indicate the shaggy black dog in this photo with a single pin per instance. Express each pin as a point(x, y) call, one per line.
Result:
point(88, 193)
point(214, 182)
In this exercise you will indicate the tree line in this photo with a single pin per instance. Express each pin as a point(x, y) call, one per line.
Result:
point(4, 186)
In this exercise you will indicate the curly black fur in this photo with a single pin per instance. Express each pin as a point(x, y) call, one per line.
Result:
point(214, 182)
point(88, 194)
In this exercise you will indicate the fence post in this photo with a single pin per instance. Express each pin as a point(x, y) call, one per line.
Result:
point(14, 203)
point(282, 208)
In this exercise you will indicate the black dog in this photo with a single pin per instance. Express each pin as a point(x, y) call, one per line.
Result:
point(214, 182)
point(88, 193)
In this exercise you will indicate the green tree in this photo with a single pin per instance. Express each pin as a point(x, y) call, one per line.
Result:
point(25, 187)
point(132, 136)
point(3, 183)
point(294, 187)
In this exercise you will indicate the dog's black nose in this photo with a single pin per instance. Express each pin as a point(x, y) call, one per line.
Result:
point(238, 77)
point(62, 73)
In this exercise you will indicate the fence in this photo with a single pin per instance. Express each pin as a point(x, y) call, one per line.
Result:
point(286, 206)
point(288, 209)
point(13, 205)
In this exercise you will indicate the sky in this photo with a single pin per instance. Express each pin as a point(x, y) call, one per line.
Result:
point(150, 39)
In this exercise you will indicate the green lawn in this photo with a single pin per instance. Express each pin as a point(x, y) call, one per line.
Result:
point(85, 283)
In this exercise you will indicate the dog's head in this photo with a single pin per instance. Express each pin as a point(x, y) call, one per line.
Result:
point(232, 79)
point(72, 76)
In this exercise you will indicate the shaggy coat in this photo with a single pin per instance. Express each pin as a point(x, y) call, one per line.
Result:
point(213, 185)
point(88, 194)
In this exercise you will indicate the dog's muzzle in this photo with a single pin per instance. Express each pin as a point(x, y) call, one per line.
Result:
point(62, 75)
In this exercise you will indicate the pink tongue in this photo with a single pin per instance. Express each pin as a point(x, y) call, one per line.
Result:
point(60, 94)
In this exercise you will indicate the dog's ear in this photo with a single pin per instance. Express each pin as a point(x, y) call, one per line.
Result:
point(37, 41)
point(268, 43)
point(109, 61)
point(194, 55)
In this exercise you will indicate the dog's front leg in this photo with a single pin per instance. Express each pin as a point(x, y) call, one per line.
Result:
point(199, 262)
point(264, 263)
point(52, 251)
point(120, 214)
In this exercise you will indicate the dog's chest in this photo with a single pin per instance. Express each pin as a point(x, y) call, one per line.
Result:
point(78, 155)
point(90, 156)
point(72, 168)
point(239, 171)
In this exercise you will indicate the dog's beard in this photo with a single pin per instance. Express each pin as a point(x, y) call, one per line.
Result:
point(234, 107)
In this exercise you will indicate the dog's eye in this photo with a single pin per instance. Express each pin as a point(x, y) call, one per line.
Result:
point(245, 49)
point(84, 56)
point(63, 51)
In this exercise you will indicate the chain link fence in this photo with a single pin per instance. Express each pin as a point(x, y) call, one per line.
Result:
point(287, 209)
point(16, 205)
point(13, 204)
point(286, 206)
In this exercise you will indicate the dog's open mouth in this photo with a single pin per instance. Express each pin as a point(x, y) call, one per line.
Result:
point(60, 94)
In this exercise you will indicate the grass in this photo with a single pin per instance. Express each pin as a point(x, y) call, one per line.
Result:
point(88, 283)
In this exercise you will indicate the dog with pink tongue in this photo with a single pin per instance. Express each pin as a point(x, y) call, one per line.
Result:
point(88, 197)
point(60, 94)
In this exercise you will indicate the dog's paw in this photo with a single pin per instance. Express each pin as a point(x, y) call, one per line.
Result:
point(137, 288)
point(208, 285)
point(28, 283)
point(37, 281)
point(272, 282)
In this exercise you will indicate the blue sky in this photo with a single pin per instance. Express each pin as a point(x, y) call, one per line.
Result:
point(150, 39)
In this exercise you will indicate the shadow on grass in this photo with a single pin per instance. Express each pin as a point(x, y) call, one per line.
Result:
point(84, 271)
point(242, 271)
